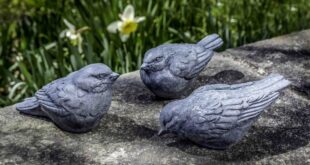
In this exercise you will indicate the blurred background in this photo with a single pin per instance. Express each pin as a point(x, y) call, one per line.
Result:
point(41, 40)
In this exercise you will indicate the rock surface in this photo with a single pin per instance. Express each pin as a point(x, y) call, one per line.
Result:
point(127, 134)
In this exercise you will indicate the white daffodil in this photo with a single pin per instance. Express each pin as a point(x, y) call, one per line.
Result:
point(219, 4)
point(293, 9)
point(73, 34)
point(127, 24)
point(233, 20)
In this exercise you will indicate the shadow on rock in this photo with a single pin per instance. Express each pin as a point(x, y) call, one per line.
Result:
point(222, 77)
point(120, 129)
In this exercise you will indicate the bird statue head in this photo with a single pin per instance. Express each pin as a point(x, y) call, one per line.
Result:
point(154, 60)
point(94, 78)
point(171, 118)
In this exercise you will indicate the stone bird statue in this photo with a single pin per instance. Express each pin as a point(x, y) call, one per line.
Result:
point(75, 103)
point(217, 116)
point(169, 70)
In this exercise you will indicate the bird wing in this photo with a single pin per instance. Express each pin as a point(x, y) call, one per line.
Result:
point(225, 107)
point(221, 113)
point(190, 62)
point(60, 97)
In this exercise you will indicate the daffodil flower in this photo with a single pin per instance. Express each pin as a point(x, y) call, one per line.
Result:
point(73, 34)
point(127, 24)
point(293, 9)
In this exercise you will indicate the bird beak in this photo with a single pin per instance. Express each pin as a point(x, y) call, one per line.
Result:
point(144, 67)
point(114, 76)
point(162, 132)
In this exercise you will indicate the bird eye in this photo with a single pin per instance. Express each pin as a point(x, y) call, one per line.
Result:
point(158, 59)
point(100, 76)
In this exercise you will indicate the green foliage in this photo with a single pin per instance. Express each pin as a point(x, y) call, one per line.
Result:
point(33, 53)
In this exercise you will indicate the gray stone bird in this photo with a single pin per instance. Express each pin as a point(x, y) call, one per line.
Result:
point(218, 116)
point(169, 70)
point(75, 103)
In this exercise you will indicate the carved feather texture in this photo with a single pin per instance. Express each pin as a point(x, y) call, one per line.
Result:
point(50, 100)
point(188, 60)
point(76, 102)
point(170, 69)
point(223, 113)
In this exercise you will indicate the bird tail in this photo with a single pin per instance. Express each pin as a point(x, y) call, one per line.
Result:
point(211, 42)
point(264, 93)
point(272, 83)
point(30, 106)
